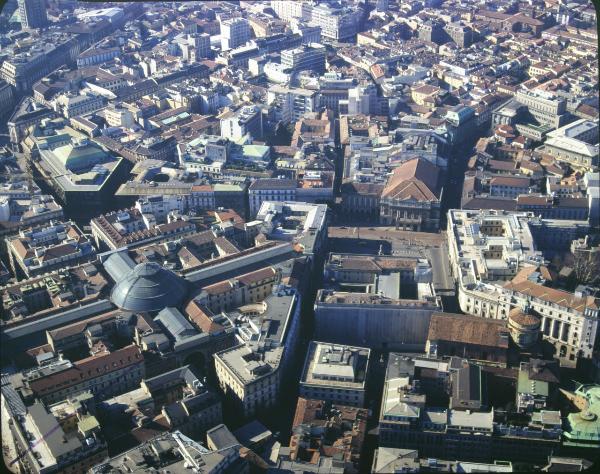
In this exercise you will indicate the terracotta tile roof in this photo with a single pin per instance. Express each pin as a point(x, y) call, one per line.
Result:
point(426, 89)
point(459, 328)
point(372, 189)
point(80, 326)
point(219, 287)
point(71, 232)
point(415, 179)
point(174, 225)
point(377, 71)
point(394, 263)
point(558, 297)
point(143, 434)
point(374, 262)
point(162, 421)
point(202, 317)
point(35, 351)
point(481, 145)
point(342, 431)
point(501, 165)
point(489, 203)
point(273, 183)
point(225, 246)
point(246, 279)
point(307, 410)
point(534, 200)
point(59, 251)
point(524, 319)
point(285, 150)
point(587, 110)
point(228, 215)
point(200, 238)
point(553, 169)
point(258, 275)
point(513, 181)
point(531, 165)
point(524, 273)
point(187, 258)
point(20, 248)
point(144, 322)
point(202, 188)
point(357, 263)
point(88, 369)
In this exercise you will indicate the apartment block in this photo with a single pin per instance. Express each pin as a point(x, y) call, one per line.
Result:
point(251, 374)
point(291, 104)
point(466, 428)
point(105, 374)
point(44, 249)
point(309, 57)
point(131, 227)
point(335, 373)
point(496, 263)
point(234, 32)
point(246, 120)
point(61, 445)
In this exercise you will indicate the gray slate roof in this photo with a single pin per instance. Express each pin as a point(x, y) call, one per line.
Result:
point(149, 287)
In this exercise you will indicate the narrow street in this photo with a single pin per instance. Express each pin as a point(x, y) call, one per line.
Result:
point(457, 166)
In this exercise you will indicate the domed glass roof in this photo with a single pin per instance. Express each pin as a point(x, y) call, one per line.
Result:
point(148, 287)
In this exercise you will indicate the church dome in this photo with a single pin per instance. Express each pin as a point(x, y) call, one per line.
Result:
point(149, 287)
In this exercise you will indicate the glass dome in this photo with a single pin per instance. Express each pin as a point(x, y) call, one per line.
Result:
point(149, 287)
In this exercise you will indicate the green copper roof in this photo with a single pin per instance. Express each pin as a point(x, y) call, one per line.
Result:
point(227, 187)
point(255, 151)
point(75, 158)
point(175, 118)
point(585, 425)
